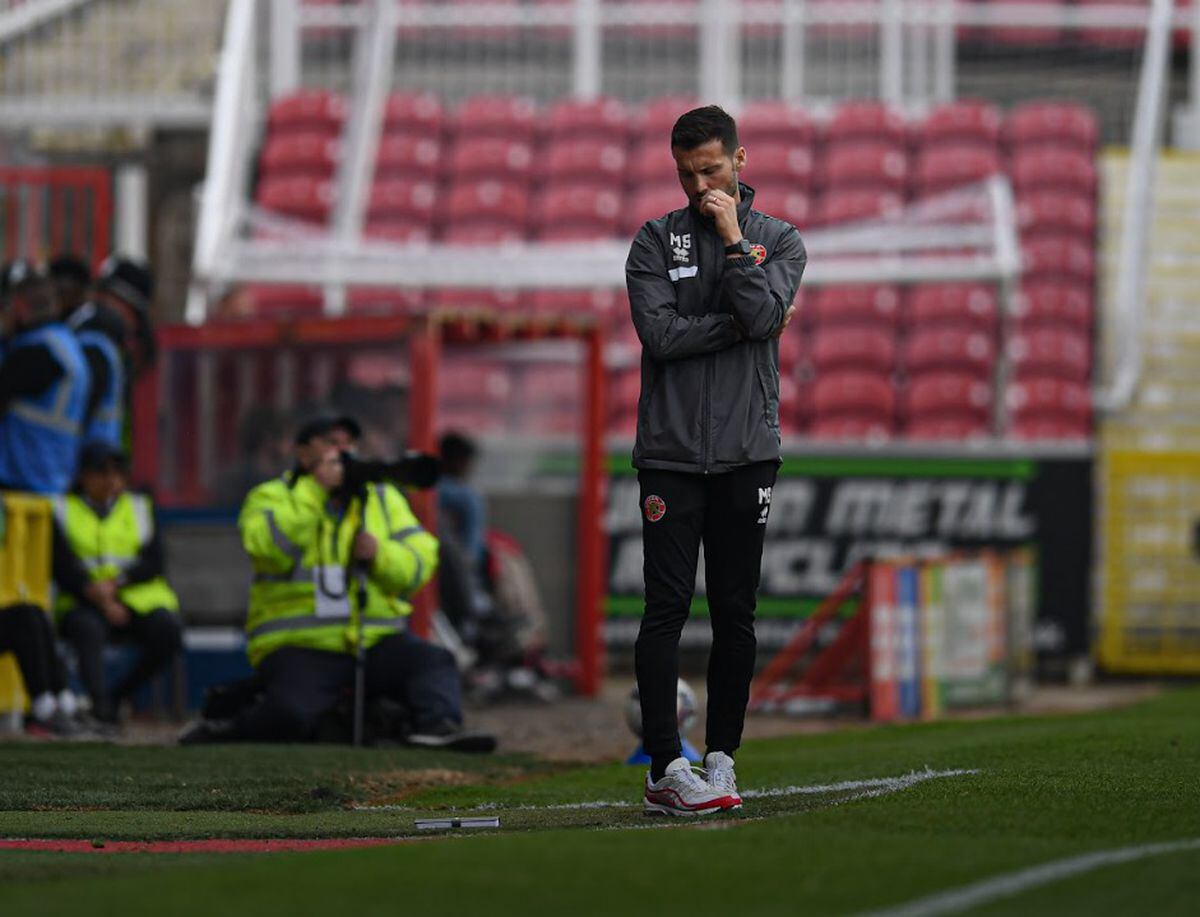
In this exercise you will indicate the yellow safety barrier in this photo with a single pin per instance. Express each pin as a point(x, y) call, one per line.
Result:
point(25, 539)
point(1150, 622)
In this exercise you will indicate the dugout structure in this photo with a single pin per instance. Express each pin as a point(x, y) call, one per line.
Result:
point(206, 378)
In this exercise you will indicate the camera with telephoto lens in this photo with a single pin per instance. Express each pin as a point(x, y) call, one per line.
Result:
point(413, 469)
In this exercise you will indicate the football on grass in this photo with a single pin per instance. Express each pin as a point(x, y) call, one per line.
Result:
point(685, 709)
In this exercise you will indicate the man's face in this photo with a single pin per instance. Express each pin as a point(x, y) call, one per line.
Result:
point(341, 440)
point(706, 168)
point(307, 454)
point(102, 485)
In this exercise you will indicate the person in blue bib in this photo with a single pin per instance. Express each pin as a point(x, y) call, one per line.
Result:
point(44, 386)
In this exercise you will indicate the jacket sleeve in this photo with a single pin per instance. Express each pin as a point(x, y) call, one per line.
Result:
point(150, 562)
point(759, 296)
point(70, 575)
point(407, 556)
point(27, 371)
point(277, 527)
point(665, 334)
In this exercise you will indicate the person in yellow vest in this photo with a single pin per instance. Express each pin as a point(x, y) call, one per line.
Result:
point(334, 558)
point(108, 569)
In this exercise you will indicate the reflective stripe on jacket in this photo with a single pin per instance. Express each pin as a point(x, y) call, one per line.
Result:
point(298, 546)
point(40, 434)
point(109, 545)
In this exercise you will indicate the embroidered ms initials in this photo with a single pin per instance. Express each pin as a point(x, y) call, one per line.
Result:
point(681, 247)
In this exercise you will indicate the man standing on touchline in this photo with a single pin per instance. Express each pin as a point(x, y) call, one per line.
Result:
point(710, 288)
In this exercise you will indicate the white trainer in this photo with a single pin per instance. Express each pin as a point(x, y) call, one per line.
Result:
point(718, 771)
point(682, 791)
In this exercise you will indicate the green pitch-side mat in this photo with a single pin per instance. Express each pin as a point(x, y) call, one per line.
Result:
point(1085, 814)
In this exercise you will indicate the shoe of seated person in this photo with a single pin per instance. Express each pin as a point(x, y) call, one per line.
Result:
point(206, 732)
point(682, 791)
point(451, 736)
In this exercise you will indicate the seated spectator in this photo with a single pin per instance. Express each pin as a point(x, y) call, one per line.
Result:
point(25, 632)
point(44, 386)
point(108, 566)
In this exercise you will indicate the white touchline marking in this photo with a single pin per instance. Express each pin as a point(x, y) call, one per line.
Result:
point(875, 786)
point(959, 899)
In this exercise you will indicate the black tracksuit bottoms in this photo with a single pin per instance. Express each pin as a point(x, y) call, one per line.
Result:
point(25, 631)
point(728, 513)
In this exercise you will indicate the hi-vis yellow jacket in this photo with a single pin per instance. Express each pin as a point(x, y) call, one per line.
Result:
point(306, 591)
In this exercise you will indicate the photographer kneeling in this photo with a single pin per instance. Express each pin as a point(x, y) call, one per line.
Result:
point(336, 554)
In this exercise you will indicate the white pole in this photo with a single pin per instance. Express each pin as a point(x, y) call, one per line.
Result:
point(285, 47)
point(720, 77)
point(792, 75)
point(231, 107)
point(1139, 208)
point(945, 49)
point(587, 75)
point(132, 210)
point(891, 53)
point(374, 47)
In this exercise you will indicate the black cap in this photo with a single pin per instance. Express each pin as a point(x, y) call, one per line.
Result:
point(128, 280)
point(69, 267)
point(18, 273)
point(98, 454)
point(319, 426)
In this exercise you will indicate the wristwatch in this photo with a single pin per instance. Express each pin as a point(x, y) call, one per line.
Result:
point(740, 247)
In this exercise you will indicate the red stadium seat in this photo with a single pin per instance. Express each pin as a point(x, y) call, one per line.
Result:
point(401, 155)
point(307, 111)
point(1052, 123)
point(1059, 258)
point(603, 120)
point(1028, 35)
point(493, 202)
point(946, 429)
point(400, 231)
point(584, 160)
point(1050, 352)
point(849, 206)
point(577, 209)
point(1057, 212)
point(604, 303)
point(491, 157)
point(853, 394)
point(953, 349)
point(510, 117)
point(881, 166)
point(623, 425)
point(941, 168)
point(1051, 303)
point(1053, 169)
point(866, 120)
point(402, 199)
point(298, 196)
point(467, 299)
point(942, 395)
point(965, 122)
point(791, 350)
point(656, 118)
point(482, 233)
point(482, 383)
point(945, 305)
point(651, 163)
point(314, 154)
point(279, 301)
point(623, 392)
point(546, 386)
point(841, 347)
point(876, 306)
point(782, 201)
point(384, 301)
point(773, 121)
point(851, 428)
point(1051, 429)
point(1047, 398)
point(417, 114)
point(650, 204)
point(779, 163)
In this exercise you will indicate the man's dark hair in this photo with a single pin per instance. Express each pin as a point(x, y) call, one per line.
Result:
point(456, 450)
point(70, 267)
point(700, 125)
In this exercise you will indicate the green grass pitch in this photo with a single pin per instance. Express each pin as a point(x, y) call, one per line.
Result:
point(1043, 790)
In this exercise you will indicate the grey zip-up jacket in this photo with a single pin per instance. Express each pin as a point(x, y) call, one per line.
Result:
point(707, 323)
